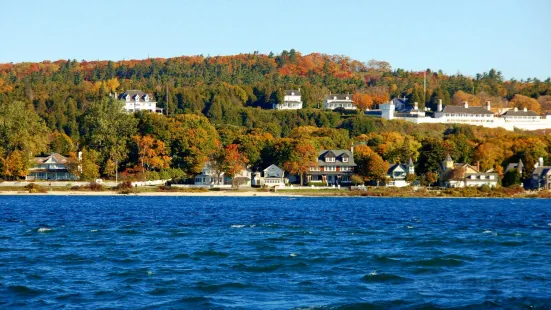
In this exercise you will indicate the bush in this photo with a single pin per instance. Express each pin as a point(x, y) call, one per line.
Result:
point(96, 187)
point(35, 188)
point(125, 187)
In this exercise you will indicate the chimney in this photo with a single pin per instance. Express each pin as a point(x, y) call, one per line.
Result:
point(439, 107)
point(525, 109)
point(415, 106)
point(478, 166)
point(466, 104)
point(516, 109)
point(540, 161)
point(79, 156)
point(488, 105)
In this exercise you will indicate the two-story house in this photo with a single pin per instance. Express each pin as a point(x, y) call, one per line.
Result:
point(541, 176)
point(334, 167)
point(464, 175)
point(271, 176)
point(336, 101)
point(291, 101)
point(137, 100)
point(53, 167)
point(212, 175)
point(397, 174)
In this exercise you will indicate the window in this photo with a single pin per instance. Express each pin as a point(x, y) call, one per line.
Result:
point(146, 98)
point(329, 159)
point(331, 168)
point(345, 159)
point(314, 168)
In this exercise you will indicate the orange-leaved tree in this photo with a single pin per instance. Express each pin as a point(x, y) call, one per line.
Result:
point(302, 155)
point(234, 162)
point(152, 153)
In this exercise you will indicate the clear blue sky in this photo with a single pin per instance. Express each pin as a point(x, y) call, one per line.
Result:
point(513, 36)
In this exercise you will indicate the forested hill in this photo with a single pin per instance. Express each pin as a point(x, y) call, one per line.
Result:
point(220, 103)
point(210, 84)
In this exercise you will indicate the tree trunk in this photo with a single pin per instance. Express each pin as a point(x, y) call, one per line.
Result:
point(301, 181)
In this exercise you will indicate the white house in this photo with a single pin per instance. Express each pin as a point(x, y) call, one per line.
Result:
point(137, 100)
point(464, 175)
point(271, 177)
point(53, 167)
point(291, 101)
point(336, 101)
point(464, 114)
point(211, 176)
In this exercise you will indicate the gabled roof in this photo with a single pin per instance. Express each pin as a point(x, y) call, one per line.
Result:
point(53, 158)
point(397, 166)
point(289, 92)
point(542, 171)
point(273, 171)
point(455, 109)
point(329, 154)
point(338, 156)
point(339, 97)
point(133, 93)
point(520, 113)
point(448, 157)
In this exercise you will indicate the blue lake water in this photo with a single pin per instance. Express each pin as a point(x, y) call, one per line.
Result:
point(273, 253)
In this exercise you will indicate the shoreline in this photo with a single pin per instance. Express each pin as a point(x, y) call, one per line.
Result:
point(243, 193)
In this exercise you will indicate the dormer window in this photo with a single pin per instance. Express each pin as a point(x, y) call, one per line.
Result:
point(127, 97)
point(334, 97)
point(345, 159)
point(347, 97)
point(137, 98)
point(329, 159)
point(146, 97)
point(292, 93)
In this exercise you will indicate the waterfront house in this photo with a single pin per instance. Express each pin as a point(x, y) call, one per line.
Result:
point(291, 101)
point(540, 177)
point(271, 176)
point(464, 175)
point(335, 101)
point(334, 167)
point(50, 168)
point(137, 100)
point(211, 175)
point(397, 174)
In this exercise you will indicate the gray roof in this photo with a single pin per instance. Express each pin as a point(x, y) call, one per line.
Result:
point(133, 93)
point(518, 165)
point(289, 92)
point(339, 97)
point(541, 171)
point(338, 154)
point(455, 109)
point(273, 171)
point(520, 113)
point(396, 166)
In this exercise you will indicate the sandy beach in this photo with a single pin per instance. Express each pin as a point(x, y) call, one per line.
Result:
point(114, 193)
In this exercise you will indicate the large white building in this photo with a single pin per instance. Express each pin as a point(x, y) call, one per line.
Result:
point(137, 100)
point(481, 116)
point(291, 101)
point(335, 101)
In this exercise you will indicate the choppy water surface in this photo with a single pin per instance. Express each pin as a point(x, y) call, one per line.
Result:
point(272, 253)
